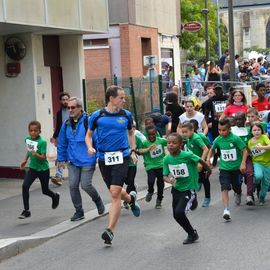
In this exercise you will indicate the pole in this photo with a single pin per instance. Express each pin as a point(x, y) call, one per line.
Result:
point(134, 102)
point(206, 31)
point(160, 94)
point(218, 31)
point(150, 69)
point(84, 96)
point(231, 41)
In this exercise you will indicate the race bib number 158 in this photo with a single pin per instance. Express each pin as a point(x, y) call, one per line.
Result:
point(179, 170)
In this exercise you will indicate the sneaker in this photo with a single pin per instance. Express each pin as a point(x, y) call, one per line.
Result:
point(25, 214)
point(107, 236)
point(262, 201)
point(77, 216)
point(250, 201)
point(55, 201)
point(206, 202)
point(237, 199)
point(148, 197)
point(194, 203)
point(191, 238)
point(100, 206)
point(226, 214)
point(126, 205)
point(158, 204)
point(57, 180)
point(135, 208)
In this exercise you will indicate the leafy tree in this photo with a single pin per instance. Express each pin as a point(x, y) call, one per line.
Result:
point(194, 42)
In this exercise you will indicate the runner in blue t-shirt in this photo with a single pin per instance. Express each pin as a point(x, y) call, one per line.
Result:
point(115, 139)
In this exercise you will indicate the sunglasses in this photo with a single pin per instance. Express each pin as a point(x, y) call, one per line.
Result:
point(71, 107)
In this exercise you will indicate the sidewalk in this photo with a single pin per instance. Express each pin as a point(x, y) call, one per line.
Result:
point(16, 235)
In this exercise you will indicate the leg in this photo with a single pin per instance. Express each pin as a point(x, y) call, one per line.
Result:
point(160, 183)
point(74, 181)
point(115, 208)
point(132, 170)
point(249, 176)
point(151, 177)
point(225, 198)
point(29, 178)
point(44, 177)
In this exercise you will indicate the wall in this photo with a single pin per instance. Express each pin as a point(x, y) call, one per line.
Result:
point(72, 63)
point(17, 106)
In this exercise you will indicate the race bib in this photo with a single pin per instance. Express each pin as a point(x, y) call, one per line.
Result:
point(158, 151)
point(220, 107)
point(31, 145)
point(179, 170)
point(113, 158)
point(229, 155)
point(263, 115)
point(255, 152)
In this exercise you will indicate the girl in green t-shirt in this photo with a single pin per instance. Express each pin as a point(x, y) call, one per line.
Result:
point(180, 170)
point(38, 168)
point(259, 146)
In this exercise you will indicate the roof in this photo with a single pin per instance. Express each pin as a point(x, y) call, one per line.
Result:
point(243, 3)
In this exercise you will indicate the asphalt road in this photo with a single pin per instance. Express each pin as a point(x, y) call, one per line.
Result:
point(154, 241)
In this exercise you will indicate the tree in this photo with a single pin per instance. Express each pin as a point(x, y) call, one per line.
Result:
point(194, 42)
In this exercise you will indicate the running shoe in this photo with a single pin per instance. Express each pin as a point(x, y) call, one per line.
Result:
point(57, 180)
point(126, 205)
point(262, 201)
point(100, 206)
point(25, 214)
point(206, 202)
point(135, 208)
point(158, 204)
point(191, 238)
point(226, 214)
point(107, 236)
point(237, 199)
point(77, 216)
point(55, 200)
point(148, 197)
point(250, 201)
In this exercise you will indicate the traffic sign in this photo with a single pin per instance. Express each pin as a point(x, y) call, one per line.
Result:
point(192, 27)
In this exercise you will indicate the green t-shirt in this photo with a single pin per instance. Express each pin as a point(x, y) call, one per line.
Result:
point(139, 138)
point(154, 158)
point(40, 146)
point(195, 144)
point(231, 151)
point(242, 132)
point(260, 156)
point(205, 139)
point(184, 169)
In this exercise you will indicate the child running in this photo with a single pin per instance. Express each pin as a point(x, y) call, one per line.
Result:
point(182, 166)
point(259, 146)
point(38, 168)
point(232, 163)
point(153, 153)
point(199, 148)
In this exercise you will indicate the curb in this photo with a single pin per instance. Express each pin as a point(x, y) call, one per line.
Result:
point(13, 246)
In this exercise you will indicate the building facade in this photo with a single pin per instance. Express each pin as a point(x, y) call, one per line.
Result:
point(137, 28)
point(251, 23)
point(50, 35)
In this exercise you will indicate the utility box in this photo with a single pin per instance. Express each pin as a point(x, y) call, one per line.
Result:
point(149, 60)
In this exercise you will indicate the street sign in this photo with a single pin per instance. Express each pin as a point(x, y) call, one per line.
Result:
point(149, 60)
point(192, 27)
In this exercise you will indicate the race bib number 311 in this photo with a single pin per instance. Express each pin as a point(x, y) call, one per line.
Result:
point(179, 170)
point(229, 155)
point(113, 158)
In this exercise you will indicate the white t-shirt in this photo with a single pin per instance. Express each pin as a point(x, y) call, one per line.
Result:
point(198, 116)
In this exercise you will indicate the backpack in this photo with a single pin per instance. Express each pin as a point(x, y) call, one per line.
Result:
point(103, 113)
point(85, 123)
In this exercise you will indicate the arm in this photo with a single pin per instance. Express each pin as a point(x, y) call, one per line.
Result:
point(89, 142)
point(169, 180)
point(23, 163)
point(169, 128)
point(142, 151)
point(38, 156)
point(206, 166)
point(131, 139)
point(244, 159)
point(179, 128)
point(210, 154)
point(205, 127)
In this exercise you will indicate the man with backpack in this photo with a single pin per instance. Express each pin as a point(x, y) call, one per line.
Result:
point(72, 149)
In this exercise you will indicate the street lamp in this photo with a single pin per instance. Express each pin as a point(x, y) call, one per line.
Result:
point(205, 12)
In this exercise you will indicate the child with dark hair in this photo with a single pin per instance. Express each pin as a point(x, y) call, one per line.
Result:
point(180, 170)
point(153, 151)
point(259, 146)
point(38, 168)
point(233, 156)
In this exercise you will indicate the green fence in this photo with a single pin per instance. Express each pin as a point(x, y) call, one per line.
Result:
point(142, 95)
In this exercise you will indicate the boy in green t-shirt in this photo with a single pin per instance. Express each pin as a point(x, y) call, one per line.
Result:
point(233, 156)
point(182, 167)
point(243, 132)
point(199, 148)
point(38, 168)
point(153, 151)
point(253, 116)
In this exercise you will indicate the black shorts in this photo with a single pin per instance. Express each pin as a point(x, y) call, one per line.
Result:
point(230, 180)
point(114, 174)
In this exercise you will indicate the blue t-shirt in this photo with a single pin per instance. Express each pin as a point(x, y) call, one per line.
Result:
point(112, 131)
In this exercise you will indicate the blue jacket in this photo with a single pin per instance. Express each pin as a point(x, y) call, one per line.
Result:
point(268, 128)
point(71, 144)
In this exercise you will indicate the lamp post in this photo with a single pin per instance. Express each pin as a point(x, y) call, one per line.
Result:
point(218, 31)
point(231, 41)
point(205, 11)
